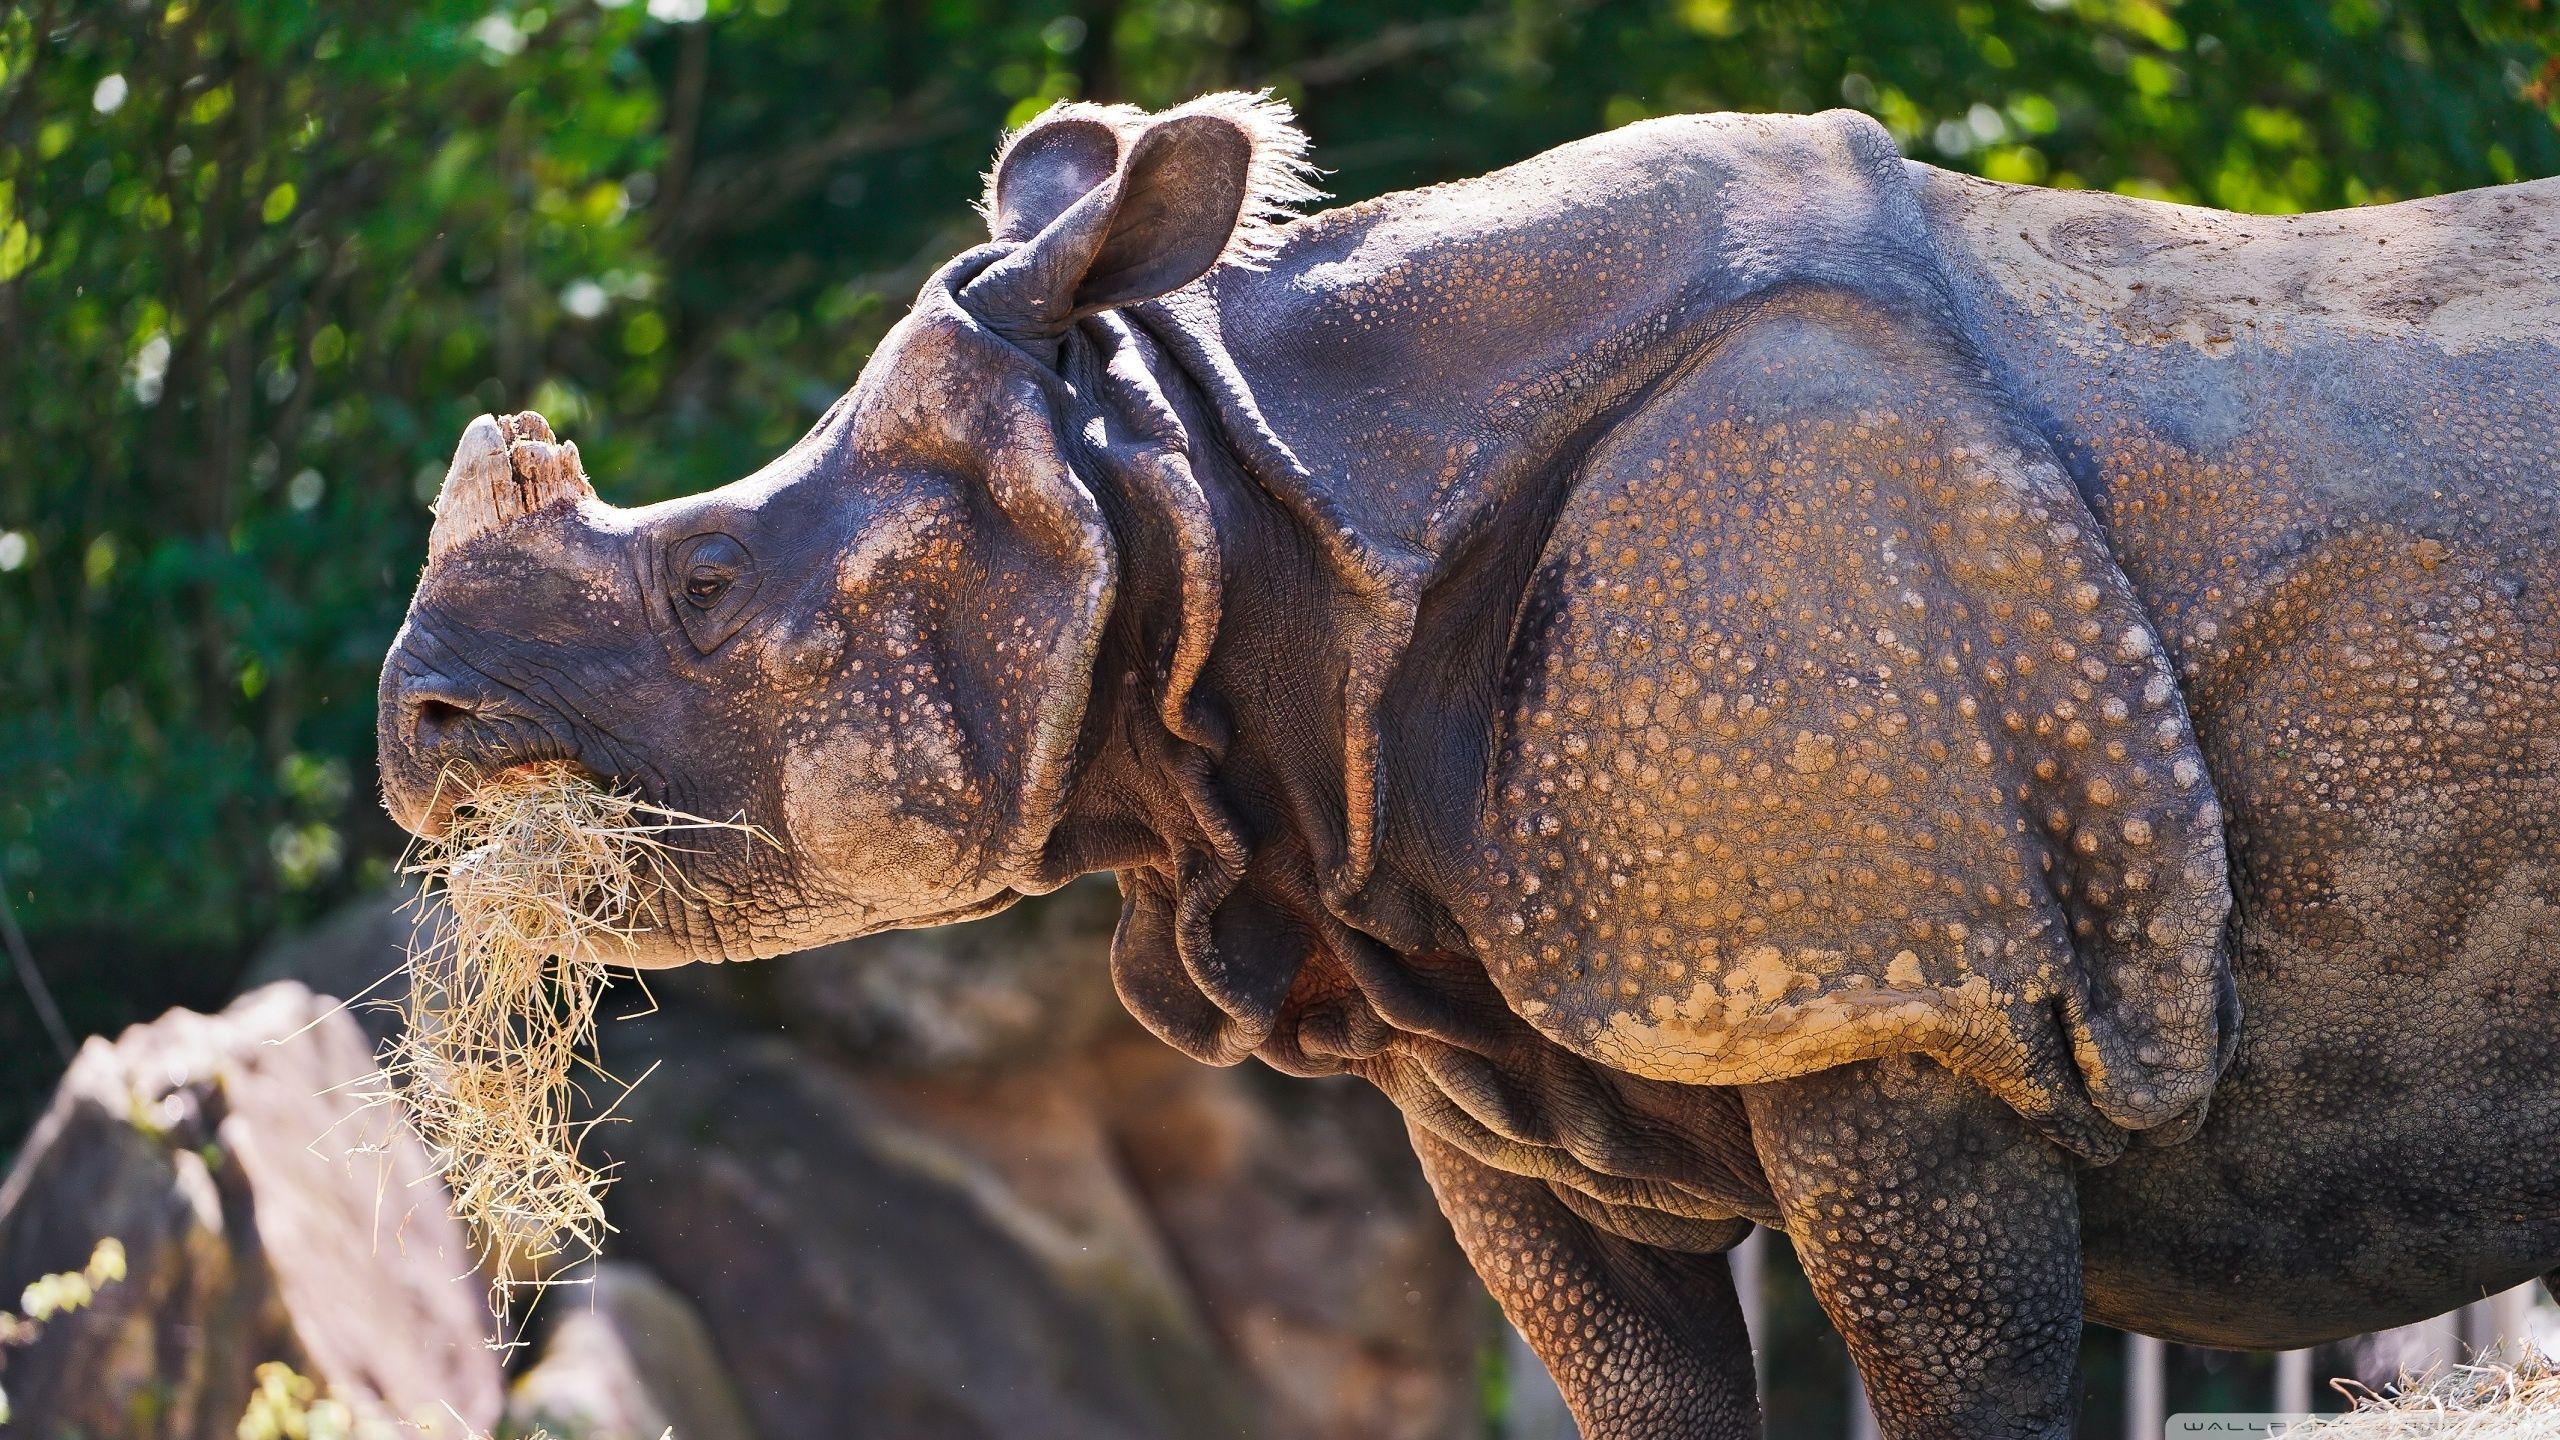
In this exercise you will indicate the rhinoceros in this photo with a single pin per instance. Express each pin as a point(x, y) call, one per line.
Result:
point(1739, 678)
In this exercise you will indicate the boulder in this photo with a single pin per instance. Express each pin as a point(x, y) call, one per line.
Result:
point(940, 1179)
point(991, 994)
point(1112, 1242)
point(1304, 1228)
point(854, 1258)
point(626, 1358)
point(266, 1215)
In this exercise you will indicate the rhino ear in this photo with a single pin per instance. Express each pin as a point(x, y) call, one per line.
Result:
point(1045, 168)
point(1113, 206)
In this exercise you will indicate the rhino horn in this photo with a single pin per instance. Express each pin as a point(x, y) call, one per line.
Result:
point(504, 468)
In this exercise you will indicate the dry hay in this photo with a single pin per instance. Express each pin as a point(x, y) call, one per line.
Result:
point(2520, 1401)
point(543, 877)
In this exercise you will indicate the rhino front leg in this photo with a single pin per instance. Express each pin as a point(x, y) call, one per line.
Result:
point(1942, 1237)
point(1645, 1343)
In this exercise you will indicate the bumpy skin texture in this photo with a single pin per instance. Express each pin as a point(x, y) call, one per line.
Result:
point(1939, 1233)
point(1837, 716)
point(1737, 678)
point(1598, 1308)
point(2324, 449)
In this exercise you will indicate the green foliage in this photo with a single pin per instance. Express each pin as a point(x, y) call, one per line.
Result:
point(277, 255)
point(49, 1297)
point(289, 1405)
point(259, 264)
point(63, 1292)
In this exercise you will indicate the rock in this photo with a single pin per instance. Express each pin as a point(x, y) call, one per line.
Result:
point(938, 1178)
point(1114, 1242)
point(857, 1257)
point(1305, 1229)
point(993, 993)
point(265, 1216)
point(627, 1358)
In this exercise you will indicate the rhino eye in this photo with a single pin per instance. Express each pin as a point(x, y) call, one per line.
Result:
point(710, 578)
point(704, 586)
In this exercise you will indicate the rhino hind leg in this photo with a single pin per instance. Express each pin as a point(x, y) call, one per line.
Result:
point(1941, 1234)
point(1645, 1342)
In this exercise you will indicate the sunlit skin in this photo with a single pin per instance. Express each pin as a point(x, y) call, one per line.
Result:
point(1739, 679)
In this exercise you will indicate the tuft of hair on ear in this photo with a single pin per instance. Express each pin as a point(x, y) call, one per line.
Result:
point(1279, 180)
point(1122, 120)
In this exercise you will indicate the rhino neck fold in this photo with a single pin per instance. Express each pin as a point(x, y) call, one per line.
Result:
point(1253, 770)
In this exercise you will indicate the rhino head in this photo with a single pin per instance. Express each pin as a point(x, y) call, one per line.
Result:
point(878, 649)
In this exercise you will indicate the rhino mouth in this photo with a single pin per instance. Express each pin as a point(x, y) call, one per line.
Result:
point(450, 801)
point(699, 890)
point(690, 920)
point(569, 860)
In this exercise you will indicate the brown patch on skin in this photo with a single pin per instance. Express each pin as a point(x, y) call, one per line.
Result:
point(2458, 273)
point(846, 789)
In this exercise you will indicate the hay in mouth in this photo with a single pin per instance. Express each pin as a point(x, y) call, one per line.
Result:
point(544, 877)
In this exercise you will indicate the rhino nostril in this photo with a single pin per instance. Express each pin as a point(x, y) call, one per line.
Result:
point(433, 715)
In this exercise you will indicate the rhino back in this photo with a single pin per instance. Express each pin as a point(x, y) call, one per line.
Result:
point(2231, 391)
point(2325, 451)
point(1424, 350)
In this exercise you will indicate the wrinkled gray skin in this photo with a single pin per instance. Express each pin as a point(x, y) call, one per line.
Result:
point(1738, 678)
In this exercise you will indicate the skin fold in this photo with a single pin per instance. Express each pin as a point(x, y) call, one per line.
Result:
point(1738, 678)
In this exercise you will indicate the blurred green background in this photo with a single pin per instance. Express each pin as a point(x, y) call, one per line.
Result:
point(259, 262)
